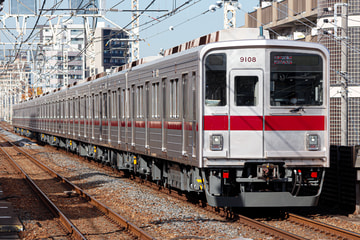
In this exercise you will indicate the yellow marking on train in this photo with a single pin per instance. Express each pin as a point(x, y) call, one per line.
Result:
point(135, 161)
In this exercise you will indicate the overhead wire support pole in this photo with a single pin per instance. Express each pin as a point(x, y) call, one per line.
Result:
point(135, 50)
point(344, 74)
point(230, 13)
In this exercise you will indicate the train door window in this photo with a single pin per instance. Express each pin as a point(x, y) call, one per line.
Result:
point(70, 108)
point(50, 111)
point(215, 77)
point(147, 100)
point(96, 107)
point(64, 108)
point(82, 107)
point(85, 106)
point(139, 102)
point(155, 103)
point(132, 103)
point(53, 107)
point(246, 90)
point(58, 110)
point(77, 108)
point(174, 98)
point(113, 105)
point(74, 108)
point(164, 114)
point(122, 103)
point(109, 113)
point(193, 112)
point(164, 99)
point(91, 107)
point(127, 101)
point(104, 106)
point(86, 99)
point(185, 97)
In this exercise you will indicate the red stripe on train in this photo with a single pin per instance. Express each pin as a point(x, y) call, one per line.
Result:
point(154, 124)
point(272, 123)
point(294, 123)
point(173, 125)
point(216, 123)
point(140, 124)
point(243, 123)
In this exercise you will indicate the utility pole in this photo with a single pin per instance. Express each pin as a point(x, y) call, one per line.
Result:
point(230, 13)
point(135, 49)
point(344, 74)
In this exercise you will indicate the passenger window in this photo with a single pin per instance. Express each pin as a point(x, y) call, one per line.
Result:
point(246, 90)
point(155, 93)
point(174, 98)
point(215, 88)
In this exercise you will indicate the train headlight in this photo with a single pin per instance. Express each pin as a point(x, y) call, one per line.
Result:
point(216, 142)
point(313, 142)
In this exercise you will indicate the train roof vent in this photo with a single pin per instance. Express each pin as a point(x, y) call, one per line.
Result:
point(175, 49)
point(203, 40)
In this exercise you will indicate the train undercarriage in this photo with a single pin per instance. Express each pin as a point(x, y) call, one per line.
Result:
point(256, 184)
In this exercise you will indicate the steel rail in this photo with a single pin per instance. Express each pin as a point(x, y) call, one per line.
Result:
point(135, 230)
point(324, 227)
point(268, 229)
point(70, 227)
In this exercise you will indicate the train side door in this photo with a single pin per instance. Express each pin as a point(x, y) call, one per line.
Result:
point(246, 114)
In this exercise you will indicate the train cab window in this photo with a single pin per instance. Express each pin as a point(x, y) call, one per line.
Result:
point(246, 90)
point(215, 77)
point(296, 79)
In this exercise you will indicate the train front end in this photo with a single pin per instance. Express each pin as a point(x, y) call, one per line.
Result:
point(265, 125)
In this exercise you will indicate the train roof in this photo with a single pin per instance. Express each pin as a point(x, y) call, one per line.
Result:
point(224, 38)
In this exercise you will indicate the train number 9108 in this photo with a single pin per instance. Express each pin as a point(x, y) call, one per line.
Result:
point(247, 59)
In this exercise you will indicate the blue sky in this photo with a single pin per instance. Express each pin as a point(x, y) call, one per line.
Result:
point(187, 24)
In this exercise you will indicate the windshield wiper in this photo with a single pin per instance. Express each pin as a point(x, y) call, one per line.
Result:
point(298, 109)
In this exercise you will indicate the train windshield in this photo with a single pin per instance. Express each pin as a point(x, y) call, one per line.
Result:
point(215, 65)
point(296, 79)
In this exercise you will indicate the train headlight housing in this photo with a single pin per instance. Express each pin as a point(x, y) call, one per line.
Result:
point(313, 142)
point(216, 142)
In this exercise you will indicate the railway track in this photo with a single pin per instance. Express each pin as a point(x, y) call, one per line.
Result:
point(312, 231)
point(332, 231)
point(80, 214)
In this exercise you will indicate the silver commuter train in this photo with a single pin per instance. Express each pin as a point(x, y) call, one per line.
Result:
point(245, 121)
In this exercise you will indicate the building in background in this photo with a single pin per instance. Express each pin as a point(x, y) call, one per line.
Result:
point(112, 48)
point(287, 19)
point(321, 21)
point(15, 79)
point(59, 58)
